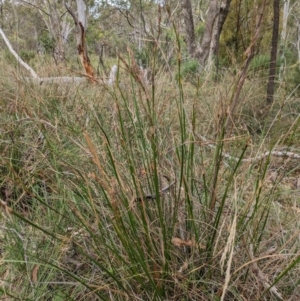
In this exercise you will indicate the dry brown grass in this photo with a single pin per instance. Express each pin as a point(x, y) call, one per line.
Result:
point(72, 227)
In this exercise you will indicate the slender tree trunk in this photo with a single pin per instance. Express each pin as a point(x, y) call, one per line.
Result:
point(285, 16)
point(58, 26)
point(19, 60)
point(54, 28)
point(223, 13)
point(1, 12)
point(215, 19)
point(272, 73)
point(217, 29)
point(211, 20)
point(187, 13)
point(81, 24)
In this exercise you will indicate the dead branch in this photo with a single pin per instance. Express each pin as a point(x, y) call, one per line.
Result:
point(20, 61)
point(60, 80)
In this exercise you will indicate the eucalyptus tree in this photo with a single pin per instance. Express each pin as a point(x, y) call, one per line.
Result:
point(57, 21)
point(204, 49)
point(80, 20)
point(23, 32)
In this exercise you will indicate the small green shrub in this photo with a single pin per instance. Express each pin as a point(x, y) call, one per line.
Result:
point(47, 42)
point(189, 69)
point(293, 80)
point(200, 29)
point(260, 63)
point(27, 55)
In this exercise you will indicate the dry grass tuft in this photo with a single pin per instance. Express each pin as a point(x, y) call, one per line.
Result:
point(139, 193)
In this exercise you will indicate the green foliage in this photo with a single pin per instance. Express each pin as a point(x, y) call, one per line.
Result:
point(239, 29)
point(94, 33)
point(200, 29)
point(292, 79)
point(190, 67)
point(47, 42)
point(260, 63)
point(143, 57)
point(291, 71)
point(189, 70)
point(27, 55)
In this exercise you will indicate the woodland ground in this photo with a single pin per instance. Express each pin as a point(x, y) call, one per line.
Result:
point(82, 169)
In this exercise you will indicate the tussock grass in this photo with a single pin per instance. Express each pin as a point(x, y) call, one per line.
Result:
point(109, 194)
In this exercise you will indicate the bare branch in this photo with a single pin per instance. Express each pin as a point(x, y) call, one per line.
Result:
point(31, 4)
point(20, 61)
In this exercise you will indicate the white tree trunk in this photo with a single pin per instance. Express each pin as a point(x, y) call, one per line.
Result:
point(285, 15)
point(65, 31)
point(81, 13)
point(81, 25)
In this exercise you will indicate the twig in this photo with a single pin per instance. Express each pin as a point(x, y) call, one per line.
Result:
point(153, 196)
point(266, 154)
point(262, 277)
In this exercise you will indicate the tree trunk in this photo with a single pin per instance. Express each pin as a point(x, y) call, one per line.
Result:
point(19, 60)
point(211, 19)
point(187, 13)
point(81, 24)
point(223, 13)
point(51, 80)
point(54, 28)
point(215, 19)
point(1, 12)
point(57, 25)
point(272, 73)
point(285, 16)
point(217, 29)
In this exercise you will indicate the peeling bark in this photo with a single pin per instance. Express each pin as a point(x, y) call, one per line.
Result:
point(211, 20)
point(222, 15)
point(81, 25)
